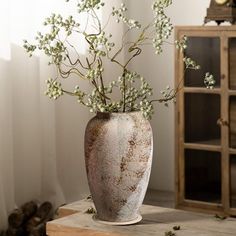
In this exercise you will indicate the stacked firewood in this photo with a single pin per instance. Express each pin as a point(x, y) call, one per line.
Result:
point(29, 220)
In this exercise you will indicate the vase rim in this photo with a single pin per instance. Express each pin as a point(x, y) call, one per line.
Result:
point(108, 114)
point(117, 113)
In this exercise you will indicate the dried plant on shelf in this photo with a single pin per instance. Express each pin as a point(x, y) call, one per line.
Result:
point(135, 91)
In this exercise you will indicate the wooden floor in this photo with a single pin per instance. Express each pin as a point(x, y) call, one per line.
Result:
point(156, 221)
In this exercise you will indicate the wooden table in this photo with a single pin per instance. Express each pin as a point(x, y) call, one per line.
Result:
point(156, 221)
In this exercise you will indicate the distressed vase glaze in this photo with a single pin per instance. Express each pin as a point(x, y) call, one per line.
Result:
point(118, 156)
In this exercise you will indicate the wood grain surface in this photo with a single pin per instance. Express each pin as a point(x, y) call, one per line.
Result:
point(156, 221)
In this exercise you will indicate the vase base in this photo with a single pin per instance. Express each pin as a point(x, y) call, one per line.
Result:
point(130, 222)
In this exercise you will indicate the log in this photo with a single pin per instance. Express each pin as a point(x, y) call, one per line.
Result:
point(29, 209)
point(37, 224)
point(16, 218)
point(22, 215)
point(32, 223)
point(2, 233)
point(16, 232)
point(39, 230)
point(29, 220)
point(45, 211)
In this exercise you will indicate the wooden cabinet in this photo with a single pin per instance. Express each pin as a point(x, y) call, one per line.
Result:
point(206, 122)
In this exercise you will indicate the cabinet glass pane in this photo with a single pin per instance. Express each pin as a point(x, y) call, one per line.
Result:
point(203, 176)
point(233, 181)
point(232, 63)
point(206, 52)
point(232, 126)
point(201, 114)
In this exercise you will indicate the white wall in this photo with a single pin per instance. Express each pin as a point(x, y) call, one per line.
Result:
point(70, 127)
point(159, 71)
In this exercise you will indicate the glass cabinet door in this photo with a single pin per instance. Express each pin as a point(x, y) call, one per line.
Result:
point(232, 63)
point(203, 176)
point(233, 181)
point(232, 119)
point(206, 52)
point(232, 122)
point(206, 121)
point(201, 114)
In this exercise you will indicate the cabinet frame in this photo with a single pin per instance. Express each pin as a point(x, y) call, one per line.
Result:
point(224, 91)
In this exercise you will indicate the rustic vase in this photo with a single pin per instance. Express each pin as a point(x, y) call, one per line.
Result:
point(118, 156)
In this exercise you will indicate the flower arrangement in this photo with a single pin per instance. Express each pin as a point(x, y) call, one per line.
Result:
point(135, 91)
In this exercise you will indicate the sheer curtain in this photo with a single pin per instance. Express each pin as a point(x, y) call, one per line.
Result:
point(41, 141)
point(36, 160)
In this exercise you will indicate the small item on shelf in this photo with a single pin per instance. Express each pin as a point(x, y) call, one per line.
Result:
point(176, 227)
point(89, 197)
point(91, 210)
point(220, 217)
point(170, 233)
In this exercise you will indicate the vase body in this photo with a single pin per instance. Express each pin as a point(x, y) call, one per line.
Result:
point(118, 157)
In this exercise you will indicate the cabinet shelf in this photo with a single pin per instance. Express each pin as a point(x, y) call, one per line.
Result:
point(202, 90)
point(211, 198)
point(206, 121)
point(232, 151)
point(203, 204)
point(211, 145)
point(232, 92)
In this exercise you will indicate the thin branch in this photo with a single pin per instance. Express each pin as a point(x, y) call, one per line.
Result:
point(168, 98)
point(101, 81)
point(117, 62)
point(98, 21)
point(138, 52)
point(86, 25)
point(66, 74)
point(102, 96)
point(78, 61)
point(108, 20)
point(72, 94)
point(119, 51)
point(171, 96)
point(124, 92)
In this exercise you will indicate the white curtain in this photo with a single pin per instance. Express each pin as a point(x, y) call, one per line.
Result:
point(37, 156)
point(41, 141)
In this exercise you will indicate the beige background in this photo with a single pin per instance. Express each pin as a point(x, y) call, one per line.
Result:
point(159, 71)
point(41, 141)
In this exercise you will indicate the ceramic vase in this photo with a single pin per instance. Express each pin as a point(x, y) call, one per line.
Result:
point(118, 157)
